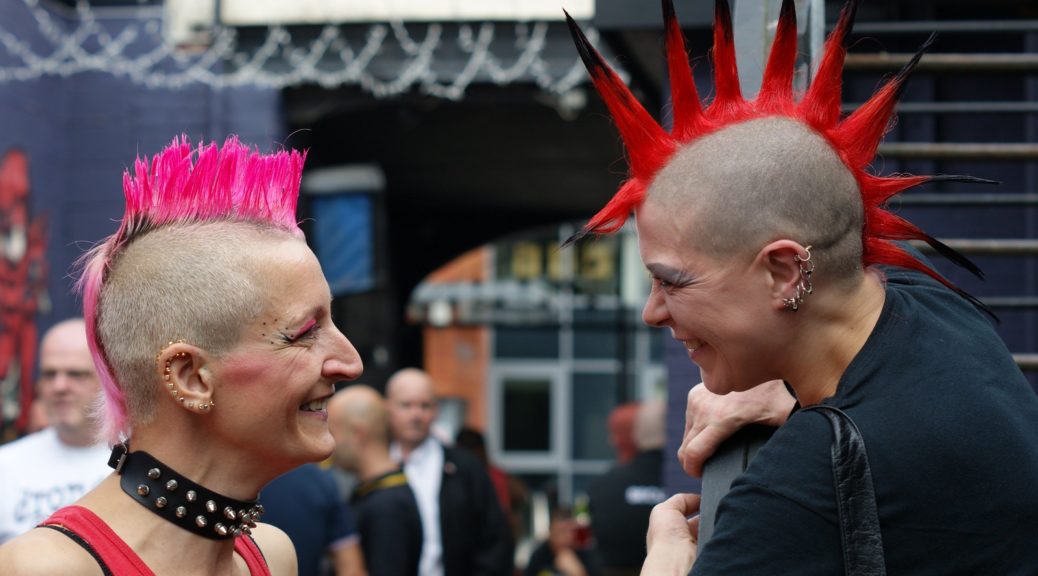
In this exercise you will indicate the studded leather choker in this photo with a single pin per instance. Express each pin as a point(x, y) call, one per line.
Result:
point(169, 494)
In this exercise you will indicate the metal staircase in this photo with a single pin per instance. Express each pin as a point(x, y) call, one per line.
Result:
point(971, 108)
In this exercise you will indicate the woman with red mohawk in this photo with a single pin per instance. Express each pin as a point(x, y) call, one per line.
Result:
point(916, 450)
point(209, 321)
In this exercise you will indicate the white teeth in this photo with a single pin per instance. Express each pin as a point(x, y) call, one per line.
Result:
point(316, 405)
point(691, 345)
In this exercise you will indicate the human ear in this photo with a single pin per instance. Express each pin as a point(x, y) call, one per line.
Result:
point(187, 376)
point(781, 261)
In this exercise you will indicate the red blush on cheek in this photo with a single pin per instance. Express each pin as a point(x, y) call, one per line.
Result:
point(246, 371)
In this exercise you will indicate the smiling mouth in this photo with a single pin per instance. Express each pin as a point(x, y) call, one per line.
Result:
point(692, 345)
point(315, 405)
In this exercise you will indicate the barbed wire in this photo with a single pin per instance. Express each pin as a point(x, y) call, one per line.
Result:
point(135, 48)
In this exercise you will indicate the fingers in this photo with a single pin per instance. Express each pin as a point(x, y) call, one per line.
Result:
point(671, 541)
point(710, 419)
point(693, 527)
point(698, 409)
point(686, 504)
point(698, 448)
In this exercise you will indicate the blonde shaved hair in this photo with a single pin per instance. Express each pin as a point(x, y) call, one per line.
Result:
point(200, 282)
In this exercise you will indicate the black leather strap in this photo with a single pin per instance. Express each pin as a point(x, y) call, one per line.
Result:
point(855, 496)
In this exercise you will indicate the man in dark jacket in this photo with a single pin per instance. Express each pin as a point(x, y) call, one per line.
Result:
point(387, 512)
point(465, 531)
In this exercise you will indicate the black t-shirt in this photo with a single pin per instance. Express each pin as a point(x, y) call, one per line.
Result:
point(951, 429)
point(621, 501)
point(389, 526)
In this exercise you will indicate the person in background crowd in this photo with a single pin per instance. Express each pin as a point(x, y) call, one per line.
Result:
point(306, 504)
point(387, 512)
point(465, 531)
point(55, 466)
point(37, 416)
point(622, 499)
point(559, 555)
point(511, 491)
point(621, 431)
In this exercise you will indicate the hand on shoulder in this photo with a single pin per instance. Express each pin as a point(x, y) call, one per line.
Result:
point(277, 549)
point(44, 552)
point(710, 419)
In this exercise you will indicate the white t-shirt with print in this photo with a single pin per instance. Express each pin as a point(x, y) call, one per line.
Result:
point(39, 474)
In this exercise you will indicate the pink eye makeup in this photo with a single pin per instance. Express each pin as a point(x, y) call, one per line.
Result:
point(307, 331)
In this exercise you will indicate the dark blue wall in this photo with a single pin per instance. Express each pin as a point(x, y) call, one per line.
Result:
point(82, 131)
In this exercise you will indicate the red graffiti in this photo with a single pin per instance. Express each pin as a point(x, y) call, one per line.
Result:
point(23, 275)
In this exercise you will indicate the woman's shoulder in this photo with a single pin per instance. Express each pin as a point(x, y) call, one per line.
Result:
point(277, 549)
point(43, 551)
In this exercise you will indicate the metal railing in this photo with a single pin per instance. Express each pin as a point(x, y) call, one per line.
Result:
point(945, 62)
point(955, 151)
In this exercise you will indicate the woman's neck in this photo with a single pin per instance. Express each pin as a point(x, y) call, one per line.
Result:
point(839, 326)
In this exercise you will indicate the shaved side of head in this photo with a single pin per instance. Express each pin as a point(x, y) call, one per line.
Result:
point(201, 282)
point(764, 180)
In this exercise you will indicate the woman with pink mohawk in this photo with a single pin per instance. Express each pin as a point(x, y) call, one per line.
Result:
point(209, 321)
point(762, 226)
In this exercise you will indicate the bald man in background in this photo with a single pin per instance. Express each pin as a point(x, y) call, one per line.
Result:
point(465, 530)
point(387, 514)
point(55, 466)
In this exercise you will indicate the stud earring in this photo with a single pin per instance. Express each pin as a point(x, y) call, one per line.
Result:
point(167, 373)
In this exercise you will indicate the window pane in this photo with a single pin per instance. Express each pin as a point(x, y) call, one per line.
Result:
point(595, 344)
point(526, 342)
point(595, 334)
point(527, 411)
point(594, 396)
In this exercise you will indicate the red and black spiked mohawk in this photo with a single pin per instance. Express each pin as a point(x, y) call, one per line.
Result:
point(854, 138)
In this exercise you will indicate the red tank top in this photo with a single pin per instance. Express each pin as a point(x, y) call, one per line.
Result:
point(115, 557)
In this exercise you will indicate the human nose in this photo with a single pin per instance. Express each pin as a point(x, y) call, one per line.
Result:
point(58, 382)
point(655, 311)
point(344, 362)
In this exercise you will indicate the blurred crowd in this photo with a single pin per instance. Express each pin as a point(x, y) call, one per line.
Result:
point(397, 497)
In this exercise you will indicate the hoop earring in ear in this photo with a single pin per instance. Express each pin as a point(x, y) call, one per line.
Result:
point(804, 286)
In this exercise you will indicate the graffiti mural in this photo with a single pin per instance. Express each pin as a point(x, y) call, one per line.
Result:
point(23, 293)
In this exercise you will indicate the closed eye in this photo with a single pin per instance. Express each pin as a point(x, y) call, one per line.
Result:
point(308, 333)
point(667, 278)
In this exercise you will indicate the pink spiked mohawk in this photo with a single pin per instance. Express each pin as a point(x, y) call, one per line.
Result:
point(232, 183)
point(855, 138)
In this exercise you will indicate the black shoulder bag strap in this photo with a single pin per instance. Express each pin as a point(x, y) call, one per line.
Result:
point(855, 496)
point(852, 478)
